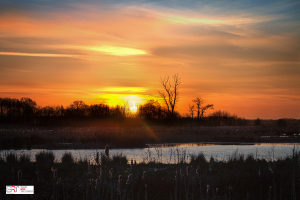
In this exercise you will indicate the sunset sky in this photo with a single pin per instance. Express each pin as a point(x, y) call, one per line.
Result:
point(241, 56)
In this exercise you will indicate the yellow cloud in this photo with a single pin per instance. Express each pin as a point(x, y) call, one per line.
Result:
point(124, 89)
point(111, 50)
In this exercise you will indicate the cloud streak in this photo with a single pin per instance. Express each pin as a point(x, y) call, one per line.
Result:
point(37, 54)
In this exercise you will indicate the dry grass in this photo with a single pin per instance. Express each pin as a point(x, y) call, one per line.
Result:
point(241, 177)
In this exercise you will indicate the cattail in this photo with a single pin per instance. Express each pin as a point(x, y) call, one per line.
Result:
point(176, 174)
point(107, 150)
point(144, 175)
point(181, 173)
point(96, 183)
point(100, 173)
point(198, 170)
point(111, 172)
point(120, 179)
point(146, 193)
point(97, 158)
point(271, 166)
point(54, 172)
point(188, 170)
point(19, 174)
point(37, 174)
point(270, 196)
point(207, 189)
point(211, 163)
point(89, 168)
point(129, 179)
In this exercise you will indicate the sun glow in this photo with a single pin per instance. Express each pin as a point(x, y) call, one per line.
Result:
point(128, 100)
point(133, 109)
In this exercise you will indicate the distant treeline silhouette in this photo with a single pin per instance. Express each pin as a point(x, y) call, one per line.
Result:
point(26, 111)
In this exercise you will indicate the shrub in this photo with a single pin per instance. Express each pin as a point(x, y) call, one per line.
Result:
point(281, 123)
point(67, 159)
point(24, 158)
point(198, 160)
point(119, 159)
point(44, 157)
point(11, 158)
point(257, 122)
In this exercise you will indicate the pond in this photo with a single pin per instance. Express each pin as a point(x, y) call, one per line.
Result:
point(172, 153)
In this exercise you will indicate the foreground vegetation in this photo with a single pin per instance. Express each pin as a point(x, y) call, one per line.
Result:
point(111, 177)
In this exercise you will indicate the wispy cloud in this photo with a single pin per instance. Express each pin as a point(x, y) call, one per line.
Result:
point(124, 89)
point(17, 70)
point(37, 54)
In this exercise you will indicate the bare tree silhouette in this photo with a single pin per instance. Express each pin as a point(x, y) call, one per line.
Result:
point(170, 94)
point(200, 108)
point(192, 109)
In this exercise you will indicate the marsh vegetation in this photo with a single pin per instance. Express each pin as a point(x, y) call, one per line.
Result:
point(114, 177)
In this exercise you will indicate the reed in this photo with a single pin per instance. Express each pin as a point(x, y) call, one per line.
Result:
point(236, 178)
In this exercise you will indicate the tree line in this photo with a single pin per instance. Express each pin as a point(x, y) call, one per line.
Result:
point(25, 110)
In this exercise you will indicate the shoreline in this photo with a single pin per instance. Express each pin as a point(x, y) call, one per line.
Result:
point(71, 146)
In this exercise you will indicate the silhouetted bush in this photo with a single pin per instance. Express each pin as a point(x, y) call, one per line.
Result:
point(11, 158)
point(67, 159)
point(281, 123)
point(198, 160)
point(119, 159)
point(257, 122)
point(24, 159)
point(44, 157)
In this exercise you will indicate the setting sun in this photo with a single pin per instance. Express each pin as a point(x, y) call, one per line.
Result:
point(133, 109)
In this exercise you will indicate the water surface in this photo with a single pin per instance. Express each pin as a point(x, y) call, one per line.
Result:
point(171, 153)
